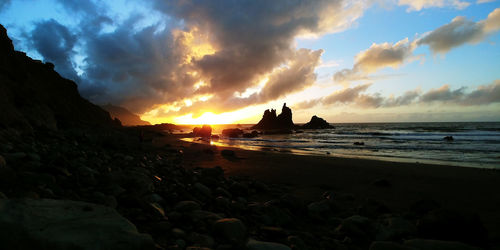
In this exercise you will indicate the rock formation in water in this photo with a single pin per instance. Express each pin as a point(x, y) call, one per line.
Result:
point(33, 95)
point(271, 121)
point(124, 115)
point(317, 123)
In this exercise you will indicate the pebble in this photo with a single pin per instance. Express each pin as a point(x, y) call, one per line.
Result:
point(230, 230)
point(262, 245)
point(187, 206)
point(3, 163)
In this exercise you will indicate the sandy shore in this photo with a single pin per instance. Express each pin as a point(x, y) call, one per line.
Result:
point(468, 190)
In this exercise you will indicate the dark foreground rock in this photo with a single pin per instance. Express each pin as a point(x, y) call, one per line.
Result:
point(63, 224)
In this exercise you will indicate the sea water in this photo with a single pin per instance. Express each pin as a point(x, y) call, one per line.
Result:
point(474, 144)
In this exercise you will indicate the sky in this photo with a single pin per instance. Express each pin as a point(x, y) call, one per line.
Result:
point(196, 62)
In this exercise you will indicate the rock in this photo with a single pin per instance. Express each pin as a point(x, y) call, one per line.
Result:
point(232, 132)
point(230, 230)
point(187, 206)
point(383, 183)
point(64, 224)
point(202, 189)
point(319, 210)
point(396, 228)
point(423, 244)
point(239, 189)
point(359, 143)
point(450, 225)
point(227, 153)
point(262, 245)
point(3, 163)
point(317, 123)
point(448, 138)
point(200, 240)
point(358, 228)
point(296, 243)
point(3, 196)
point(178, 233)
point(373, 209)
point(205, 131)
point(387, 245)
point(424, 206)
point(251, 135)
point(271, 121)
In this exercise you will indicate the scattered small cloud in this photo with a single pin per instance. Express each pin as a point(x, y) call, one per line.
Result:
point(357, 96)
point(460, 31)
point(376, 57)
point(417, 5)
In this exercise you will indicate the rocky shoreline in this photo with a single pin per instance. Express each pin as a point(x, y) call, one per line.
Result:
point(177, 208)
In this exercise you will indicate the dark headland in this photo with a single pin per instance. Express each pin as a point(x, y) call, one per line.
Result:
point(71, 177)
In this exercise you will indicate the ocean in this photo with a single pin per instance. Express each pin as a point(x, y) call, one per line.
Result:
point(474, 144)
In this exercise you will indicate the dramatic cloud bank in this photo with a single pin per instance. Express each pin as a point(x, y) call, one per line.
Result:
point(201, 55)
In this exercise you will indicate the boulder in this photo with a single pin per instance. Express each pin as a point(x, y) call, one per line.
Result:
point(253, 134)
point(450, 225)
point(232, 132)
point(317, 123)
point(187, 206)
point(424, 244)
point(271, 121)
point(64, 224)
point(262, 245)
point(3, 163)
point(448, 138)
point(387, 245)
point(230, 230)
point(205, 131)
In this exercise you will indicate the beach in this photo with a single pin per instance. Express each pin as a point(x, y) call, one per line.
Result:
point(397, 185)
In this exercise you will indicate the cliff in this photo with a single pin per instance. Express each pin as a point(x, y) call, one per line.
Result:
point(124, 115)
point(33, 95)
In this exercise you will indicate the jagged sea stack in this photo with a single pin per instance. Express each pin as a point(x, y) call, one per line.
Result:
point(271, 121)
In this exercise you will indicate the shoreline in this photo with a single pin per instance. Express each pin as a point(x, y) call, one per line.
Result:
point(468, 190)
point(343, 156)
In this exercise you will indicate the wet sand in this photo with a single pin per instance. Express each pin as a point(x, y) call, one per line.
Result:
point(463, 189)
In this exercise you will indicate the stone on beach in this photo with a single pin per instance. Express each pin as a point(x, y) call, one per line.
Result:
point(231, 230)
point(64, 224)
point(232, 132)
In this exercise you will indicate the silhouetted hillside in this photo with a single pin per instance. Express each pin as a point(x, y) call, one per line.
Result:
point(33, 95)
point(124, 115)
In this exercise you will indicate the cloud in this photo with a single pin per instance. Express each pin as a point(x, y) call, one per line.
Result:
point(196, 49)
point(458, 32)
point(461, 31)
point(417, 5)
point(484, 1)
point(56, 44)
point(376, 57)
point(356, 96)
